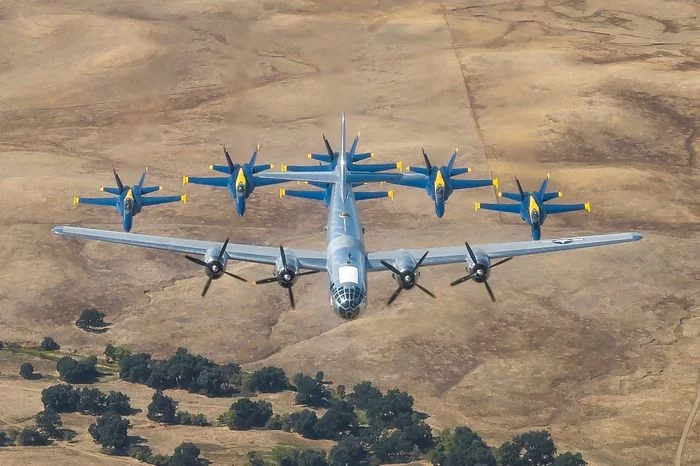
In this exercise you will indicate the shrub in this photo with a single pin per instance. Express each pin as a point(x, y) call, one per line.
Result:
point(26, 370)
point(91, 318)
point(49, 422)
point(162, 409)
point(31, 437)
point(189, 419)
point(49, 344)
point(268, 380)
point(310, 391)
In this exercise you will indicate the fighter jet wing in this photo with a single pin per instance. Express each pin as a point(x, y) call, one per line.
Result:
point(313, 260)
point(458, 254)
point(331, 177)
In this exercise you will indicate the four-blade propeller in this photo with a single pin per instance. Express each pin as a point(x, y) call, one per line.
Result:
point(407, 278)
point(285, 277)
point(215, 269)
point(479, 272)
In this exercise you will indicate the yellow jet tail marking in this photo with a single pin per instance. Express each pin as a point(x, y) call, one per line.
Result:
point(283, 192)
point(76, 200)
point(587, 206)
point(477, 206)
point(185, 180)
point(183, 198)
point(390, 193)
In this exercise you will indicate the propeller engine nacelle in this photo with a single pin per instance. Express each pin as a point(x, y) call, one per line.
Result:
point(215, 265)
point(481, 269)
point(407, 276)
point(287, 270)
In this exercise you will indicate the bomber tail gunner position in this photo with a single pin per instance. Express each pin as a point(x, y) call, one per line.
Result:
point(241, 180)
point(129, 200)
point(345, 260)
point(531, 206)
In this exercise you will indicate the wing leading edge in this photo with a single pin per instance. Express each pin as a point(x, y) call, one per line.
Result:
point(313, 260)
point(458, 254)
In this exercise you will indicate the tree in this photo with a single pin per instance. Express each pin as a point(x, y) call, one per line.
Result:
point(119, 403)
point(268, 380)
point(49, 422)
point(348, 451)
point(535, 448)
point(340, 391)
point(569, 459)
point(49, 344)
point(303, 423)
point(461, 447)
point(189, 419)
point(313, 458)
point(111, 431)
point(4, 439)
point(115, 353)
point(162, 408)
point(187, 454)
point(72, 371)
point(338, 420)
point(91, 318)
point(61, 398)
point(135, 367)
point(395, 409)
point(245, 414)
point(26, 370)
point(255, 460)
point(363, 394)
point(92, 401)
point(310, 391)
point(31, 437)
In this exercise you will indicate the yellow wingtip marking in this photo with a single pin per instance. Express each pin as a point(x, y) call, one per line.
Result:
point(211, 167)
point(160, 188)
point(477, 206)
point(372, 154)
point(358, 134)
point(399, 166)
point(587, 206)
point(185, 180)
point(183, 198)
point(390, 193)
point(496, 183)
point(76, 200)
point(283, 192)
point(272, 165)
point(258, 147)
point(469, 170)
point(382, 183)
point(407, 168)
point(308, 156)
point(284, 167)
point(146, 170)
point(500, 194)
point(549, 175)
point(102, 188)
point(560, 194)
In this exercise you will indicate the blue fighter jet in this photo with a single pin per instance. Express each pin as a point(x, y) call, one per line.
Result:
point(129, 200)
point(532, 207)
point(240, 182)
point(328, 161)
point(438, 182)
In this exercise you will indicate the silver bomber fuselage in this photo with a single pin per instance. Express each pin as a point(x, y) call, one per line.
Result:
point(345, 251)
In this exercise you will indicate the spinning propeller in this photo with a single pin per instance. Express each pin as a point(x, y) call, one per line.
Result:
point(214, 269)
point(286, 276)
point(479, 272)
point(407, 278)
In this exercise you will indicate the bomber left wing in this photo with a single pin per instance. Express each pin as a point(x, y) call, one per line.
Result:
point(459, 254)
point(313, 260)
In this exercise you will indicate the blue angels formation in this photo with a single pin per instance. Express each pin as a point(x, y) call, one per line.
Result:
point(129, 200)
point(345, 259)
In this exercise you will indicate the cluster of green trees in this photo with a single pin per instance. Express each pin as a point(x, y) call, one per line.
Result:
point(196, 374)
point(163, 409)
point(72, 371)
point(64, 398)
point(185, 454)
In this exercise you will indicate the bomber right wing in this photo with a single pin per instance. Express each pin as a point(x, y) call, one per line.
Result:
point(458, 254)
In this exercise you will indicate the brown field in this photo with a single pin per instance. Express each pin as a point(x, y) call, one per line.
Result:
point(601, 347)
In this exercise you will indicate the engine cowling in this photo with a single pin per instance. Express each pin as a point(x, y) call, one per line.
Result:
point(287, 270)
point(407, 277)
point(215, 267)
point(480, 270)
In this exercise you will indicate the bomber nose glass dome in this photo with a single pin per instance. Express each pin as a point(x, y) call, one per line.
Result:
point(348, 298)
